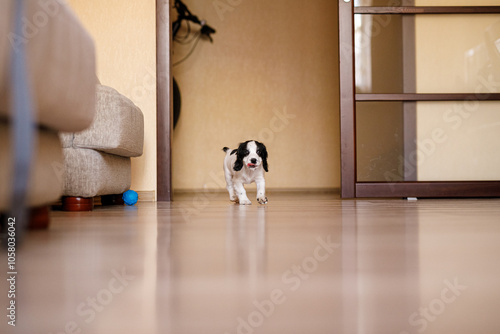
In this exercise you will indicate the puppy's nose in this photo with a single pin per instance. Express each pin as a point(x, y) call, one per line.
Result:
point(253, 160)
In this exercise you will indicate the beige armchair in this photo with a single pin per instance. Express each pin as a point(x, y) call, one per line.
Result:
point(97, 160)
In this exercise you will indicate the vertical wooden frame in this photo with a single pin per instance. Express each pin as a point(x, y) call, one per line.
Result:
point(164, 119)
point(347, 103)
point(409, 86)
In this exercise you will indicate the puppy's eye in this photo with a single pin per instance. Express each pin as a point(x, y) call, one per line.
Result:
point(246, 152)
point(258, 152)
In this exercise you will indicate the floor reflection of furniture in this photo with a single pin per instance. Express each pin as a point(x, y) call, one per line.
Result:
point(61, 71)
point(97, 160)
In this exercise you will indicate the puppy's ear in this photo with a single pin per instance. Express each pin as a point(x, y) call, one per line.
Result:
point(238, 164)
point(262, 151)
point(241, 152)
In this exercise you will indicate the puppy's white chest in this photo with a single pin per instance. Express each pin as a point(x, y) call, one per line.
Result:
point(246, 176)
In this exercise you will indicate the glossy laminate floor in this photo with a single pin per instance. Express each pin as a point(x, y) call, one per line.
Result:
point(305, 263)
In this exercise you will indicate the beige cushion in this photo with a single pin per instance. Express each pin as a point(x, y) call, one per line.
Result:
point(118, 127)
point(47, 173)
point(92, 173)
point(61, 63)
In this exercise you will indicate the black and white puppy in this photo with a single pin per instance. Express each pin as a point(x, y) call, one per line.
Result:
point(245, 165)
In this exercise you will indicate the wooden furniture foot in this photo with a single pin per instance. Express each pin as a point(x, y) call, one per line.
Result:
point(116, 199)
point(70, 203)
point(39, 218)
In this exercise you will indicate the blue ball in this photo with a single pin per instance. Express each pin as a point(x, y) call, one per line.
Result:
point(130, 197)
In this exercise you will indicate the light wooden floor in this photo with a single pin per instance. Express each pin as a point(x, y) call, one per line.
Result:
point(305, 263)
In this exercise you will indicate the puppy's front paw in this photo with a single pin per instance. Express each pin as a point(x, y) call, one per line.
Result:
point(233, 199)
point(262, 200)
point(245, 202)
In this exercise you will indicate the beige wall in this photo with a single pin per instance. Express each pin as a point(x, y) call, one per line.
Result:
point(269, 58)
point(457, 140)
point(379, 125)
point(125, 38)
point(271, 75)
point(456, 2)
